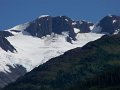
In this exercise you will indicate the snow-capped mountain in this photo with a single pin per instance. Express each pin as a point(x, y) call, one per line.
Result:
point(109, 24)
point(34, 43)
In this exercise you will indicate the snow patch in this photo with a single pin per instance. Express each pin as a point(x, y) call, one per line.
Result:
point(109, 15)
point(81, 22)
point(66, 20)
point(42, 16)
point(89, 22)
point(65, 34)
point(76, 30)
point(97, 29)
point(74, 23)
point(91, 27)
point(117, 31)
point(114, 21)
point(20, 27)
point(39, 24)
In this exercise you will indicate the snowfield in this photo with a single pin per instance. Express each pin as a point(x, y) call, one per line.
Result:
point(33, 51)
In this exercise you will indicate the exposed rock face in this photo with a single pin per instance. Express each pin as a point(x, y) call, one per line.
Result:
point(110, 24)
point(62, 24)
point(46, 25)
point(8, 77)
point(5, 44)
point(6, 33)
point(40, 27)
point(85, 26)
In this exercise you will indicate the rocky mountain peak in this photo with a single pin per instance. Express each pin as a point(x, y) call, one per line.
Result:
point(109, 24)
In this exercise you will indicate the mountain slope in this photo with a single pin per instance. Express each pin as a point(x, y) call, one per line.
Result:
point(35, 42)
point(8, 73)
point(95, 66)
point(38, 41)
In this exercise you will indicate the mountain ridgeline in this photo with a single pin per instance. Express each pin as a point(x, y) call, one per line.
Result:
point(109, 24)
point(95, 66)
point(47, 25)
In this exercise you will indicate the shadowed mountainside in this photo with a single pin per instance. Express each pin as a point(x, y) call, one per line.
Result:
point(95, 66)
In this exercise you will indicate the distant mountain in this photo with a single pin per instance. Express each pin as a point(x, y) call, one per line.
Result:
point(26, 46)
point(95, 66)
point(109, 24)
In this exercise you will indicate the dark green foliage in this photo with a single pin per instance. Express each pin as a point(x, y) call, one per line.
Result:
point(96, 66)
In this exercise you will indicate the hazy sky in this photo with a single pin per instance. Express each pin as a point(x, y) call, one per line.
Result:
point(13, 12)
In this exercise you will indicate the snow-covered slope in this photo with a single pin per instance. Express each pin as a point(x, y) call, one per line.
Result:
point(33, 51)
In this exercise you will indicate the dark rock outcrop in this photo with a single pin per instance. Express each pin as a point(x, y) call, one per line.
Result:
point(6, 33)
point(84, 26)
point(8, 77)
point(5, 44)
point(46, 25)
point(110, 24)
